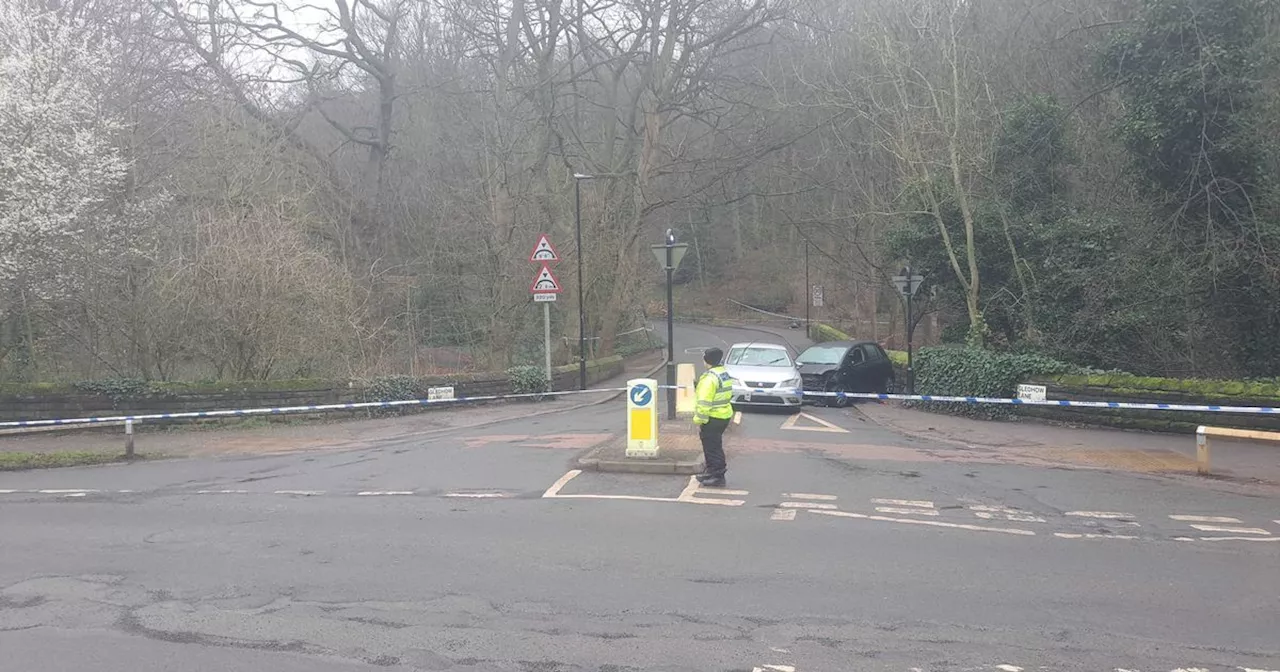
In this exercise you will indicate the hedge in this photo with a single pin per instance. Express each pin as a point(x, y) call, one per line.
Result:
point(824, 333)
point(973, 372)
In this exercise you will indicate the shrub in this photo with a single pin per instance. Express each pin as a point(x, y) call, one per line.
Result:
point(393, 388)
point(972, 372)
point(527, 379)
point(823, 333)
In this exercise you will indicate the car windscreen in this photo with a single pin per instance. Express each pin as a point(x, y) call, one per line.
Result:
point(823, 354)
point(757, 357)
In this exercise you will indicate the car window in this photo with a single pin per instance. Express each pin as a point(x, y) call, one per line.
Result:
point(758, 357)
point(873, 352)
point(856, 356)
point(830, 355)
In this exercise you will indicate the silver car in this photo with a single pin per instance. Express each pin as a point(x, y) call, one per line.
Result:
point(763, 375)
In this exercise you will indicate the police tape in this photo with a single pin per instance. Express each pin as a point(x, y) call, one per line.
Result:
point(1114, 405)
point(282, 410)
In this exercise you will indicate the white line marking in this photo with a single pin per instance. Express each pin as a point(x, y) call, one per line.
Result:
point(124, 492)
point(1108, 515)
point(1008, 668)
point(1015, 517)
point(1190, 669)
point(633, 498)
point(222, 492)
point(807, 495)
point(906, 512)
point(921, 503)
point(689, 488)
point(737, 418)
point(303, 493)
point(477, 495)
point(784, 514)
point(63, 492)
point(721, 491)
point(778, 650)
point(1250, 669)
point(935, 523)
point(775, 668)
point(1232, 530)
point(554, 490)
point(1226, 538)
point(76, 494)
point(790, 423)
point(806, 505)
point(366, 493)
point(1067, 535)
point(1206, 519)
point(9, 492)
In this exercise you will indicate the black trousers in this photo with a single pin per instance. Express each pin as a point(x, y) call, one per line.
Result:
point(712, 435)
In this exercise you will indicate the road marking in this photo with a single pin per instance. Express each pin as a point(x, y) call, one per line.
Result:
point(922, 503)
point(906, 512)
point(1190, 669)
point(555, 488)
point(1232, 530)
point(737, 418)
point(1015, 517)
point(1068, 535)
point(76, 494)
point(7, 492)
point(63, 492)
point(774, 668)
point(1226, 538)
point(784, 514)
point(821, 498)
point(1206, 519)
point(807, 505)
point(790, 423)
point(476, 495)
point(1008, 668)
point(691, 489)
point(1107, 515)
point(302, 493)
point(222, 492)
point(1250, 669)
point(934, 523)
point(379, 493)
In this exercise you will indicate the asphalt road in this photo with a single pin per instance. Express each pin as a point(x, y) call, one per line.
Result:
point(839, 546)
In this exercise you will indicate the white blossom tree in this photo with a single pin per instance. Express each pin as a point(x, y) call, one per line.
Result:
point(58, 167)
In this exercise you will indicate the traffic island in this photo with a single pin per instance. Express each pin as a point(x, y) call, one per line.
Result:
point(679, 452)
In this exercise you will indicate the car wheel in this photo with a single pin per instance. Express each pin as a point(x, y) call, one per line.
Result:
point(885, 386)
point(835, 387)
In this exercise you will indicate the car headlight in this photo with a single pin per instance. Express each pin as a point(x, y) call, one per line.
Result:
point(796, 383)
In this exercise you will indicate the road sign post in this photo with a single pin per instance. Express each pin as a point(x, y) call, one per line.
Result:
point(545, 288)
point(908, 284)
point(669, 255)
point(642, 418)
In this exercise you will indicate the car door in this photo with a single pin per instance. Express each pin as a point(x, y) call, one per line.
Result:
point(854, 369)
point(883, 367)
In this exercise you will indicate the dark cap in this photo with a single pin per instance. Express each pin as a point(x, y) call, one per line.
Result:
point(713, 356)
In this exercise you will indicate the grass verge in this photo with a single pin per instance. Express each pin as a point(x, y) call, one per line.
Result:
point(64, 458)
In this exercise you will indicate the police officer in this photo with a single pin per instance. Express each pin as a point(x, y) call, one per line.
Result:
point(712, 415)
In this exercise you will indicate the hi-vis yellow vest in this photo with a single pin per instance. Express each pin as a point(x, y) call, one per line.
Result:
point(715, 396)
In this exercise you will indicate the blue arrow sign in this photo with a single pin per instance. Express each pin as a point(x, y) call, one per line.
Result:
point(641, 395)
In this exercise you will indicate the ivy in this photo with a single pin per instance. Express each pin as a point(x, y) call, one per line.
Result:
point(972, 372)
point(393, 388)
point(527, 379)
point(118, 389)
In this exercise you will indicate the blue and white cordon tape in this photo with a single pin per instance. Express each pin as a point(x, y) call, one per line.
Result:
point(239, 412)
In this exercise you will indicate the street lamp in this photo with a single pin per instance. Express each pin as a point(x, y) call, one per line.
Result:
point(669, 255)
point(582, 310)
point(908, 284)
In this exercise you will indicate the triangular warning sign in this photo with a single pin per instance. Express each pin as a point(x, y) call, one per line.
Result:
point(544, 282)
point(543, 251)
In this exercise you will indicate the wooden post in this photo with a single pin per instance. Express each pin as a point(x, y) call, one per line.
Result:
point(128, 439)
point(1202, 452)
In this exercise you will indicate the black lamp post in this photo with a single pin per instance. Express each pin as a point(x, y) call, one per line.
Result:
point(582, 310)
point(669, 255)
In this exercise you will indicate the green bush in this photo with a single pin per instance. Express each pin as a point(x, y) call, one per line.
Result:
point(118, 389)
point(972, 372)
point(824, 333)
point(393, 388)
point(527, 379)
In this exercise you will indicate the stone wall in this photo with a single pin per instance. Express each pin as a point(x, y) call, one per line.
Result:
point(38, 402)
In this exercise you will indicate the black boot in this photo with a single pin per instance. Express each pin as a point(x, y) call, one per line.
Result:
point(712, 481)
